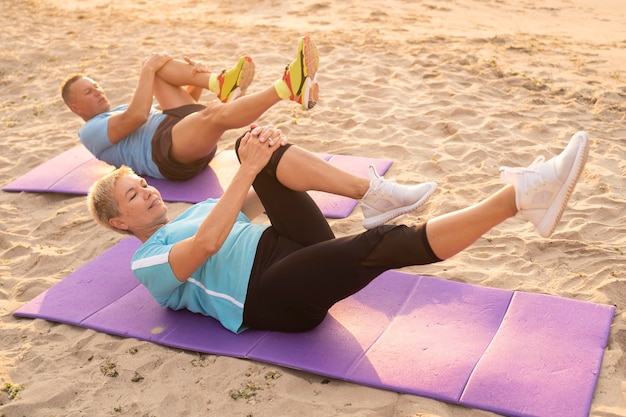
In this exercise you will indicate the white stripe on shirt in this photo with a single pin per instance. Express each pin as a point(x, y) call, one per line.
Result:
point(164, 258)
point(151, 261)
point(213, 293)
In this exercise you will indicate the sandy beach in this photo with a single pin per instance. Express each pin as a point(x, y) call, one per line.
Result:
point(449, 90)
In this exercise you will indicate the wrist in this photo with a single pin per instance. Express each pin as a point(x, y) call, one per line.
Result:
point(248, 170)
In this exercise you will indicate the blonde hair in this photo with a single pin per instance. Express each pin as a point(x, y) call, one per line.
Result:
point(101, 201)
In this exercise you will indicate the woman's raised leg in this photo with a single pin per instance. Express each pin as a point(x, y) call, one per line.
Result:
point(451, 233)
point(539, 193)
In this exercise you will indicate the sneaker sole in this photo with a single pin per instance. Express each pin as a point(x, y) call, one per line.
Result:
point(548, 224)
point(383, 218)
point(246, 76)
point(311, 59)
point(311, 94)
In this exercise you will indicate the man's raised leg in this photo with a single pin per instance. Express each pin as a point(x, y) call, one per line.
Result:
point(179, 83)
point(197, 135)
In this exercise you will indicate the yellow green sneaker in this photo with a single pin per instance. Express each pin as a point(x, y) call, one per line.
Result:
point(298, 82)
point(232, 83)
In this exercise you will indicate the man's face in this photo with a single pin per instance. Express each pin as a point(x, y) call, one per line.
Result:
point(88, 99)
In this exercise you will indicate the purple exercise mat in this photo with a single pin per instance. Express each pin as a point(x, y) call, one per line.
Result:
point(513, 353)
point(75, 170)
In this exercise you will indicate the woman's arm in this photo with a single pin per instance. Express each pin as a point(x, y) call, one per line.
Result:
point(186, 256)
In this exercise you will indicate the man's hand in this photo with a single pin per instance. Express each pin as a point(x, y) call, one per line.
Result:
point(155, 61)
point(196, 67)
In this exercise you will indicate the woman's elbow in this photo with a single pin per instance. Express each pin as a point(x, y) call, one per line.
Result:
point(208, 247)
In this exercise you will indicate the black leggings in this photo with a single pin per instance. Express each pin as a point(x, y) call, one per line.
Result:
point(300, 269)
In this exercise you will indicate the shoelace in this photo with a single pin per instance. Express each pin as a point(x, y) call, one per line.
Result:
point(528, 176)
point(385, 187)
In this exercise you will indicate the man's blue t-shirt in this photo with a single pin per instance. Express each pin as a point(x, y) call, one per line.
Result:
point(218, 288)
point(135, 150)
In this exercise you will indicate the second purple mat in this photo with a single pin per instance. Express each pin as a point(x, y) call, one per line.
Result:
point(75, 170)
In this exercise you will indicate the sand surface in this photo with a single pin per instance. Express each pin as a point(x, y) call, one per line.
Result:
point(450, 90)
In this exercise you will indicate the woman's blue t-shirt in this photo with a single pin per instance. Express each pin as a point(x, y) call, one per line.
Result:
point(218, 288)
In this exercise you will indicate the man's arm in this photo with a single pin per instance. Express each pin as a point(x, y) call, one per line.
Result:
point(123, 124)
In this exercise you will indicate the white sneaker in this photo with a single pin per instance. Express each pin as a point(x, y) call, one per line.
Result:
point(543, 189)
point(386, 199)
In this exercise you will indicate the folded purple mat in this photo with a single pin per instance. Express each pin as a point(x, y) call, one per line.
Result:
point(513, 353)
point(73, 172)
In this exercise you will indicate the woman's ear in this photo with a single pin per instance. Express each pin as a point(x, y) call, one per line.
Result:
point(118, 223)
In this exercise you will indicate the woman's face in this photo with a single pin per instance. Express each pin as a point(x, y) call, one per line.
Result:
point(140, 204)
